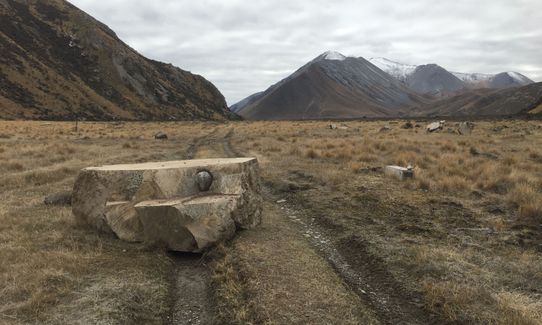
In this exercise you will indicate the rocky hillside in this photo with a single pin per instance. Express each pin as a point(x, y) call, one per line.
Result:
point(331, 86)
point(57, 62)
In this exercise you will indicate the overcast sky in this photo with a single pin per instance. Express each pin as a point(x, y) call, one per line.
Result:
point(245, 46)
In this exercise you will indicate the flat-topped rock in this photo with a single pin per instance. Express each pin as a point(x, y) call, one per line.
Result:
point(175, 164)
point(399, 172)
point(111, 198)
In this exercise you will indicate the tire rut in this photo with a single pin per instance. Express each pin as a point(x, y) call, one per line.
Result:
point(190, 298)
point(364, 273)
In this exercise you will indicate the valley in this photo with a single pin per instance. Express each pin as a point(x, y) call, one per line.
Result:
point(340, 241)
point(368, 191)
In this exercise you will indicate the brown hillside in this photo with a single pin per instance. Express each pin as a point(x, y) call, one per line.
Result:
point(57, 62)
point(486, 102)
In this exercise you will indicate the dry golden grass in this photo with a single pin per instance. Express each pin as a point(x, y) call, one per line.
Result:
point(464, 233)
point(492, 178)
point(52, 270)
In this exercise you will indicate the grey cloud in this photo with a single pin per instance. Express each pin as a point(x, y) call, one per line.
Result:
point(245, 46)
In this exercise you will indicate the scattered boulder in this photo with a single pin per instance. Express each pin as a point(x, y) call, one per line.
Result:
point(181, 205)
point(399, 172)
point(474, 152)
point(333, 126)
point(435, 126)
point(384, 129)
point(500, 128)
point(161, 136)
point(465, 128)
point(62, 198)
point(408, 125)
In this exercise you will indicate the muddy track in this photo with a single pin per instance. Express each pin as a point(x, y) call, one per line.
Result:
point(190, 299)
point(198, 142)
point(363, 272)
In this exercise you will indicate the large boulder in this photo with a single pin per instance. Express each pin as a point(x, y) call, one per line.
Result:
point(399, 172)
point(435, 126)
point(125, 199)
point(190, 224)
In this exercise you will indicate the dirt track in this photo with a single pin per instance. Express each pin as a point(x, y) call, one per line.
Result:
point(191, 301)
point(363, 272)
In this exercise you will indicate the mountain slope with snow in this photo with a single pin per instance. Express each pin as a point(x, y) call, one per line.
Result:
point(402, 72)
point(398, 70)
point(331, 86)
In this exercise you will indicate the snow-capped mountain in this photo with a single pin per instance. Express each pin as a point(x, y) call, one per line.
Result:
point(403, 71)
point(332, 55)
point(398, 70)
point(336, 86)
point(331, 86)
point(472, 77)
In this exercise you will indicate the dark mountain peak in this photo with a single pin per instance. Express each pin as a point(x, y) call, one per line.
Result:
point(509, 79)
point(331, 86)
point(430, 68)
point(433, 79)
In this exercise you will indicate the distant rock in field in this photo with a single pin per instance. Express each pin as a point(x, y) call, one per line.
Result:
point(384, 129)
point(465, 128)
point(161, 136)
point(500, 128)
point(435, 126)
point(63, 198)
point(333, 126)
point(399, 172)
point(408, 125)
point(172, 204)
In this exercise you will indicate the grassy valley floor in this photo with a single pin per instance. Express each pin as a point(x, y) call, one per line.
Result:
point(459, 243)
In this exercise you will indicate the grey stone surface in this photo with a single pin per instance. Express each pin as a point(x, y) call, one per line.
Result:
point(110, 198)
point(160, 136)
point(204, 179)
point(63, 198)
point(435, 126)
point(188, 225)
point(399, 172)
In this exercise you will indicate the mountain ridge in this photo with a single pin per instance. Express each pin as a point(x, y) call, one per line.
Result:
point(331, 85)
point(401, 71)
point(60, 63)
point(335, 86)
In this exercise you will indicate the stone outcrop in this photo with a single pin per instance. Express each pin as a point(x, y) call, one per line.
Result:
point(435, 126)
point(182, 205)
point(399, 172)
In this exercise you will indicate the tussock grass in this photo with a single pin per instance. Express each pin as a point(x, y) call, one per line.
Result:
point(54, 271)
point(421, 227)
point(431, 232)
